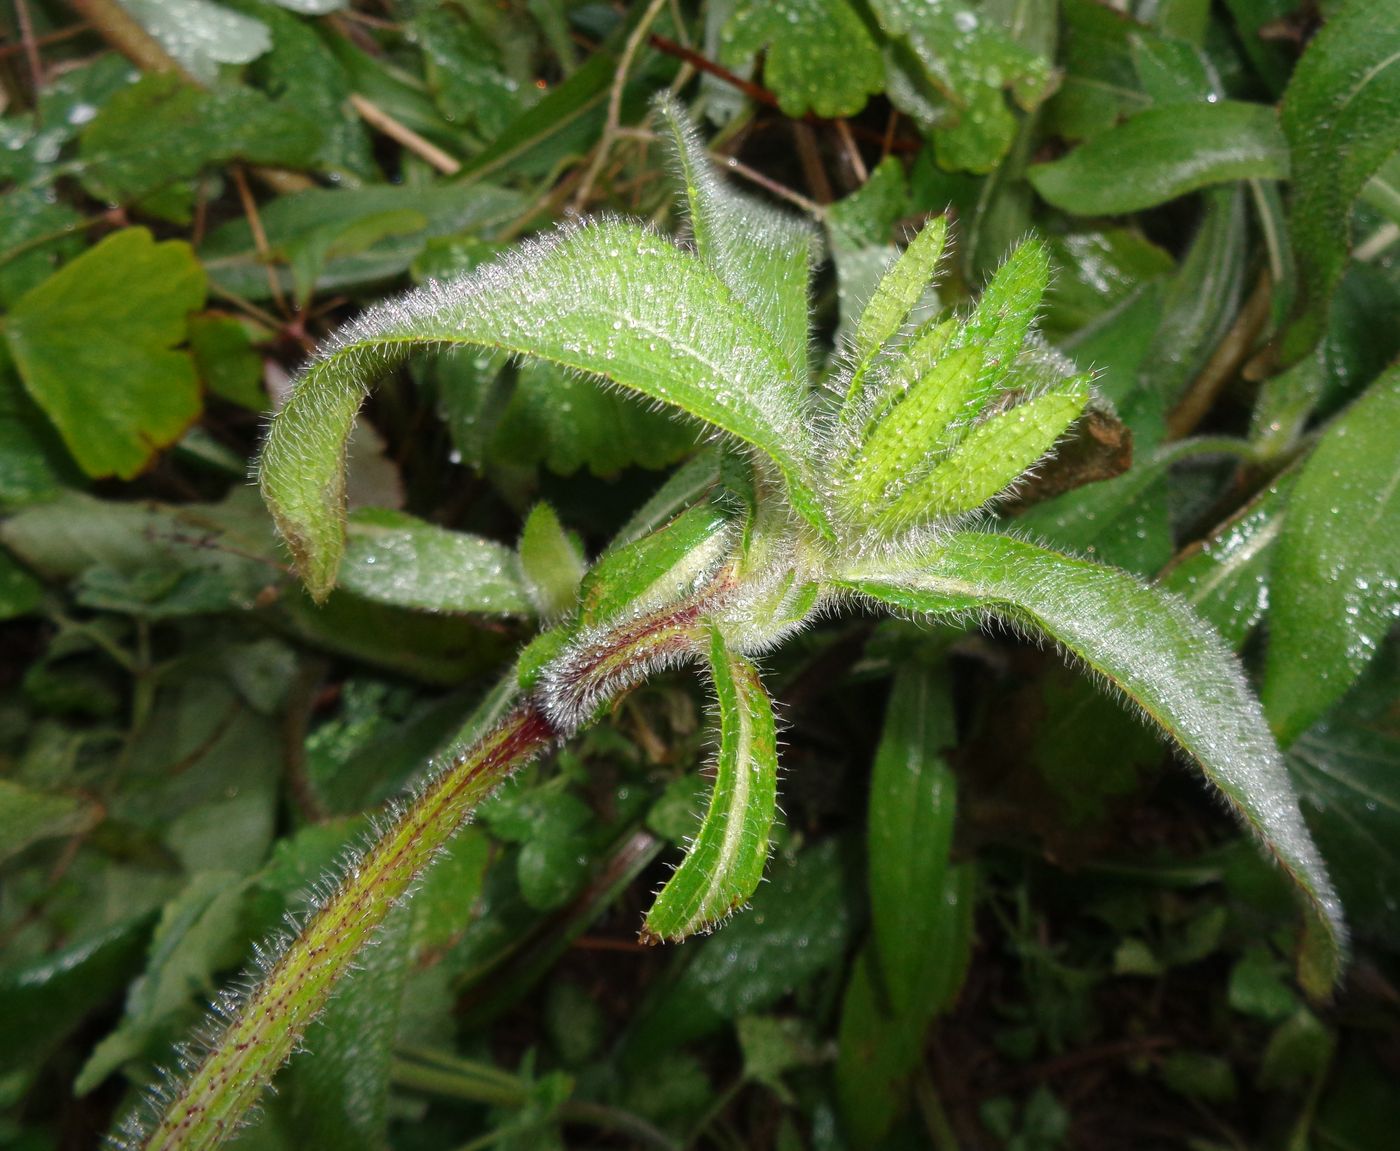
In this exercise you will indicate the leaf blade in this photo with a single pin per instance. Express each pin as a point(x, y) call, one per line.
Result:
point(1162, 153)
point(1173, 666)
point(725, 863)
point(608, 299)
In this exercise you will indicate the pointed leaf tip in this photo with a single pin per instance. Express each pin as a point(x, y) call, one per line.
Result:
point(725, 862)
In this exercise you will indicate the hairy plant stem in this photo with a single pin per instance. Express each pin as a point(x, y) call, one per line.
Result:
point(209, 1105)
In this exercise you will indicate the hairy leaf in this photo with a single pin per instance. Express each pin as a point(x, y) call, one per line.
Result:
point(725, 863)
point(897, 293)
point(610, 299)
point(1335, 588)
point(550, 561)
point(1162, 153)
point(992, 456)
point(1148, 645)
point(764, 255)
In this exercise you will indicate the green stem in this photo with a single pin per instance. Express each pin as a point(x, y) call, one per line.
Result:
point(209, 1106)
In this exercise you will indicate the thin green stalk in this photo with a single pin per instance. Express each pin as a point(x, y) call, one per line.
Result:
point(208, 1106)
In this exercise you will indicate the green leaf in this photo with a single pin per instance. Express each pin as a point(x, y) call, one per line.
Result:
point(657, 567)
point(94, 345)
point(163, 130)
point(1339, 115)
point(1347, 770)
point(920, 905)
point(1002, 319)
point(398, 559)
point(821, 57)
point(227, 362)
point(43, 999)
point(1226, 576)
point(725, 863)
point(989, 458)
point(567, 422)
point(20, 592)
point(763, 254)
point(898, 291)
point(964, 60)
point(27, 816)
point(1165, 660)
point(1162, 153)
point(1336, 577)
point(609, 298)
point(550, 561)
point(202, 35)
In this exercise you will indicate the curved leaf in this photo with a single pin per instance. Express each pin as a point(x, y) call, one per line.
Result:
point(1154, 649)
point(610, 299)
point(1162, 153)
point(725, 863)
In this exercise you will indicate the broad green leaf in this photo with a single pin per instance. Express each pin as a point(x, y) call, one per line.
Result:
point(198, 934)
point(1094, 272)
point(965, 58)
point(398, 559)
point(1174, 71)
point(94, 345)
point(233, 260)
point(1197, 309)
point(1165, 660)
point(550, 561)
point(821, 57)
point(228, 365)
point(163, 130)
point(20, 592)
point(1339, 115)
point(724, 865)
point(763, 254)
point(1335, 588)
point(1162, 153)
point(920, 903)
point(609, 298)
point(27, 816)
point(1100, 86)
point(898, 291)
point(991, 457)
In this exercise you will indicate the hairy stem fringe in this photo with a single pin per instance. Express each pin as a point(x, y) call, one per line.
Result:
point(208, 1106)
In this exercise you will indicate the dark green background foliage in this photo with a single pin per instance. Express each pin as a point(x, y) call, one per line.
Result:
point(997, 914)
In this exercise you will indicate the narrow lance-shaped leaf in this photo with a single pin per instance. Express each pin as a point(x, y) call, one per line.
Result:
point(763, 254)
point(1004, 314)
point(725, 863)
point(895, 296)
point(990, 457)
point(1172, 665)
point(609, 298)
